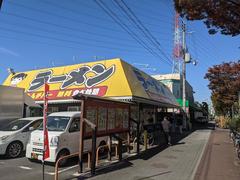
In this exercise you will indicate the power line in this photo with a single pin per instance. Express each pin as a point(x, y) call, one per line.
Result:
point(131, 15)
point(61, 26)
point(154, 15)
point(150, 15)
point(88, 14)
point(68, 35)
point(57, 45)
point(57, 39)
point(106, 9)
point(67, 18)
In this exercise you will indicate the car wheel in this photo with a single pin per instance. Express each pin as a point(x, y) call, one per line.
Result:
point(62, 154)
point(14, 149)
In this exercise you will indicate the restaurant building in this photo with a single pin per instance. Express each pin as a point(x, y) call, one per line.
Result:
point(113, 78)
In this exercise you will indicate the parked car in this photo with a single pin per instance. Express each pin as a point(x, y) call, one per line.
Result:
point(14, 135)
point(202, 119)
point(63, 135)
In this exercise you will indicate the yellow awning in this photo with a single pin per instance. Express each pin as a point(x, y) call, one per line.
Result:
point(108, 78)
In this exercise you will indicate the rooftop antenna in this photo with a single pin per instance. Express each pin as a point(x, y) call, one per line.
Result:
point(11, 71)
point(74, 59)
point(141, 65)
point(53, 64)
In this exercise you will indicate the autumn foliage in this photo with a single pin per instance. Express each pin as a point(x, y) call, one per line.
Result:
point(224, 82)
point(218, 15)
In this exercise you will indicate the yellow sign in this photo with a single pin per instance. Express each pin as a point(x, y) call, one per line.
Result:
point(109, 78)
point(102, 78)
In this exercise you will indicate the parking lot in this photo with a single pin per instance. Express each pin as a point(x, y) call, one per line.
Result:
point(22, 169)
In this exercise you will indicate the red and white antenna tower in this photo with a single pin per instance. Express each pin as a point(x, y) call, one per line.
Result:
point(177, 49)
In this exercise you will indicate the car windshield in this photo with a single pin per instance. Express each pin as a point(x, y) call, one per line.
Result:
point(56, 123)
point(15, 125)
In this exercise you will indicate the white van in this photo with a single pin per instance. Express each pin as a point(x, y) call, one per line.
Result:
point(63, 135)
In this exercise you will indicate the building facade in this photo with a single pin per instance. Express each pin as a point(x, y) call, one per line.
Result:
point(174, 83)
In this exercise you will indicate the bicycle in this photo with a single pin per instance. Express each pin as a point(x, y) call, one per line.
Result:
point(150, 136)
point(235, 137)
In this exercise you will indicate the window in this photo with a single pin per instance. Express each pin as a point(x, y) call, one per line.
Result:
point(52, 109)
point(119, 118)
point(111, 118)
point(91, 115)
point(36, 124)
point(75, 125)
point(125, 118)
point(56, 123)
point(15, 125)
point(102, 118)
point(73, 108)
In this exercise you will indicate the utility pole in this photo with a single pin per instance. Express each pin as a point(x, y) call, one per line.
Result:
point(1, 1)
point(184, 74)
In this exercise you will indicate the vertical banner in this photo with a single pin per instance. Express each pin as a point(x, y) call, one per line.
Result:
point(45, 130)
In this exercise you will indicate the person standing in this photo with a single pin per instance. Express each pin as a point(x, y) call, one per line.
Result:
point(180, 124)
point(166, 125)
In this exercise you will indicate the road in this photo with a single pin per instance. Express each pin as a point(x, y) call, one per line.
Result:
point(219, 160)
point(201, 155)
point(23, 169)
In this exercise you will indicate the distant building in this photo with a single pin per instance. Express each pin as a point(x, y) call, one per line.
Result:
point(174, 83)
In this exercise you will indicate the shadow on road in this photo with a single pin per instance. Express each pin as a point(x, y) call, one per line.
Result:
point(149, 153)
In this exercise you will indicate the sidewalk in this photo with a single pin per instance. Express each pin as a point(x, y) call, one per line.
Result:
point(177, 162)
point(219, 160)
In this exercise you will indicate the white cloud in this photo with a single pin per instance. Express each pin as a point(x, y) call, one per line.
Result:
point(9, 52)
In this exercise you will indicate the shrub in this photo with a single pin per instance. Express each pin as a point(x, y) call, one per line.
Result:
point(234, 123)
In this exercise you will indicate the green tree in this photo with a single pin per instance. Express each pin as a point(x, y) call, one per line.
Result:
point(218, 15)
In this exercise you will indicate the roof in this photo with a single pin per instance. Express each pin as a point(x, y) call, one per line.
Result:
point(31, 118)
point(112, 78)
point(66, 113)
point(173, 76)
point(80, 96)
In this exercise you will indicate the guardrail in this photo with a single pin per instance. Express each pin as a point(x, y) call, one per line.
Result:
point(60, 159)
point(88, 159)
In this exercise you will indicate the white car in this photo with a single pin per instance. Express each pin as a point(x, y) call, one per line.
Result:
point(63, 136)
point(14, 135)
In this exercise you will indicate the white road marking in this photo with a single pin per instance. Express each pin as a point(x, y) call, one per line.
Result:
point(66, 169)
point(25, 167)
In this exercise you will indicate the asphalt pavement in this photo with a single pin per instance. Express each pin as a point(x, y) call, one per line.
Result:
point(219, 160)
point(176, 162)
point(22, 169)
point(203, 154)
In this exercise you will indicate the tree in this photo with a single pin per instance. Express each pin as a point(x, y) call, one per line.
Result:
point(224, 82)
point(218, 15)
point(205, 108)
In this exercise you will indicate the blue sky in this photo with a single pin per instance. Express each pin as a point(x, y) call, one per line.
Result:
point(46, 33)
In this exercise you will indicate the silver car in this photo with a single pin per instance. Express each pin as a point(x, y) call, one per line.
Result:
point(14, 135)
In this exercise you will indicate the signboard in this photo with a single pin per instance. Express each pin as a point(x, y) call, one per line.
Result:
point(109, 78)
point(100, 78)
point(180, 102)
point(109, 116)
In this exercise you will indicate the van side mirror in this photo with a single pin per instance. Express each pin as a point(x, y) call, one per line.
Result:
point(31, 128)
point(74, 128)
point(27, 129)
